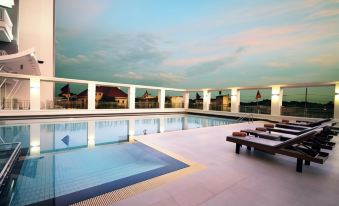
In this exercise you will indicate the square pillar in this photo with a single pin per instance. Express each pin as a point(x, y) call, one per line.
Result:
point(186, 99)
point(276, 100)
point(336, 101)
point(131, 97)
point(235, 100)
point(91, 96)
point(161, 98)
point(34, 83)
point(206, 100)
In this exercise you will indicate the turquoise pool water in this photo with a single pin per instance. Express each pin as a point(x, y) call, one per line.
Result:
point(66, 162)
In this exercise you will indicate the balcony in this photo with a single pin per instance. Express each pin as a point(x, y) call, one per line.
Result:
point(5, 26)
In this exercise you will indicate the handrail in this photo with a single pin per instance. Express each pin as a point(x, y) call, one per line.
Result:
point(249, 116)
point(10, 161)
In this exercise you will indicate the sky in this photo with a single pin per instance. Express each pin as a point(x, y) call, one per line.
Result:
point(198, 43)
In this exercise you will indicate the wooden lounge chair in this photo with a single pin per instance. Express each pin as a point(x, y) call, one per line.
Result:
point(321, 140)
point(309, 123)
point(289, 126)
point(289, 131)
point(293, 148)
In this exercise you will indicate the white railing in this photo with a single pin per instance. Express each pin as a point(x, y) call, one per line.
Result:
point(36, 101)
point(6, 25)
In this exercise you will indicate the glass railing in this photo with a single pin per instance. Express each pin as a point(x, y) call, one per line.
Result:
point(174, 105)
point(111, 105)
point(260, 109)
point(146, 105)
point(220, 107)
point(307, 112)
point(195, 106)
point(64, 104)
point(13, 104)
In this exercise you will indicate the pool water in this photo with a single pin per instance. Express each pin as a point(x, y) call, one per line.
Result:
point(66, 162)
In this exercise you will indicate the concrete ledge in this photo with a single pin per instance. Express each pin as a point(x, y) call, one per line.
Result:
point(41, 114)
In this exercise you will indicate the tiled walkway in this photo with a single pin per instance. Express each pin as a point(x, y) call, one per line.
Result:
point(251, 178)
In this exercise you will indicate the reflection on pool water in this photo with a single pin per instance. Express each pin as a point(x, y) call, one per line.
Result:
point(66, 162)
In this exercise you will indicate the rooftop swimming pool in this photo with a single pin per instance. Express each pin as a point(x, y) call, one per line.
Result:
point(65, 161)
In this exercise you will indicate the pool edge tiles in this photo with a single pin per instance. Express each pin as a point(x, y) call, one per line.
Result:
point(134, 189)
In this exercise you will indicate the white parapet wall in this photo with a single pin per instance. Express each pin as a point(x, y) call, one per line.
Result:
point(36, 89)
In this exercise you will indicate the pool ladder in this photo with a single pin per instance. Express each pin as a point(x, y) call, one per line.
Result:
point(249, 117)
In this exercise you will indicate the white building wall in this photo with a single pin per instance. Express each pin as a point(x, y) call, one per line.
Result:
point(36, 30)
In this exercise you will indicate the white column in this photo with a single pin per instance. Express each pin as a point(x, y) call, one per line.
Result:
point(131, 97)
point(186, 99)
point(131, 129)
point(34, 139)
point(276, 100)
point(91, 96)
point(235, 100)
point(91, 134)
point(206, 100)
point(34, 83)
point(161, 98)
point(336, 101)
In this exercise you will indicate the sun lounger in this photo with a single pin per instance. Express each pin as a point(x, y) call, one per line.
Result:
point(293, 147)
point(309, 123)
point(288, 126)
point(262, 134)
point(289, 131)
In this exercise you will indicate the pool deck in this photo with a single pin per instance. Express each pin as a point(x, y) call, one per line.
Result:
point(251, 178)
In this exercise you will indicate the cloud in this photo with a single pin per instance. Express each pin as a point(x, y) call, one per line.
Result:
point(325, 59)
point(238, 40)
point(215, 65)
point(165, 77)
point(329, 12)
point(116, 52)
point(278, 64)
point(130, 75)
point(76, 60)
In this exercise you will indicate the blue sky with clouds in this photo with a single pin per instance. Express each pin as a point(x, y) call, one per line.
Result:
point(198, 43)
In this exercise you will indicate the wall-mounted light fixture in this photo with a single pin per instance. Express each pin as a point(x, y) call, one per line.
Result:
point(35, 87)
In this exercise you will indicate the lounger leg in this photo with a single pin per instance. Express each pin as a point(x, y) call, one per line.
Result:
point(249, 148)
point(299, 165)
point(307, 162)
point(237, 148)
